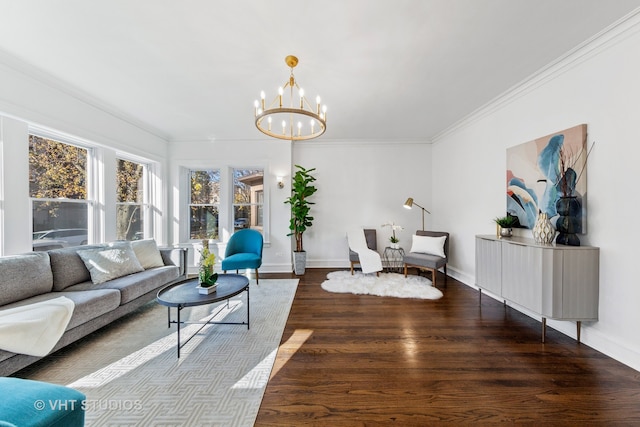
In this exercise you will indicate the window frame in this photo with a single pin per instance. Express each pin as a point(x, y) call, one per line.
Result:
point(257, 209)
point(146, 204)
point(189, 204)
point(225, 218)
point(91, 179)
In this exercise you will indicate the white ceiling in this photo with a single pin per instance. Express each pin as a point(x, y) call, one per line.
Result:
point(387, 69)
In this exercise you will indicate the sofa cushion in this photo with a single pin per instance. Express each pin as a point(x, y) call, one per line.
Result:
point(24, 276)
point(87, 305)
point(134, 285)
point(68, 268)
point(110, 262)
point(147, 252)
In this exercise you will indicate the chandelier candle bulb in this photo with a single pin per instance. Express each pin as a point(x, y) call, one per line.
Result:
point(256, 104)
point(299, 128)
point(280, 92)
point(269, 120)
point(318, 104)
point(312, 122)
point(284, 127)
point(302, 98)
point(262, 96)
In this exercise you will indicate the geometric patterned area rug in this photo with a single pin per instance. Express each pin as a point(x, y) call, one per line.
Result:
point(219, 379)
point(386, 284)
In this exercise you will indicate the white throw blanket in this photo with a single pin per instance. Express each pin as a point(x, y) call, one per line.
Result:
point(370, 261)
point(35, 329)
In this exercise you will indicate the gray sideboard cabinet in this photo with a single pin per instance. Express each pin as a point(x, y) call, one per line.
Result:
point(555, 281)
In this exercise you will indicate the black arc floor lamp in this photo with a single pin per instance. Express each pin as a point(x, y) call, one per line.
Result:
point(409, 204)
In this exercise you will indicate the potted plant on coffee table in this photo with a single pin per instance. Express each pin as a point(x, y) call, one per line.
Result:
point(302, 188)
point(206, 277)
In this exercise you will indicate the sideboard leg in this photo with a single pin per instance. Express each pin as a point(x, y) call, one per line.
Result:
point(479, 296)
point(578, 326)
point(544, 328)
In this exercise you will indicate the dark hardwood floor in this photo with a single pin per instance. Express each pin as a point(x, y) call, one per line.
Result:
point(349, 360)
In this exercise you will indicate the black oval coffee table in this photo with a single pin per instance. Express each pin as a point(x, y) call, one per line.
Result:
point(185, 294)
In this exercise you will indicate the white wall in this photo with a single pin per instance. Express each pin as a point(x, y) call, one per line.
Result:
point(29, 95)
point(363, 184)
point(359, 184)
point(597, 85)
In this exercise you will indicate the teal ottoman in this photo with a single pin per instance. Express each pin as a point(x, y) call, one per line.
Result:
point(35, 403)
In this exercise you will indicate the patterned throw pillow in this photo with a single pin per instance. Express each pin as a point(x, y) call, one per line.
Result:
point(110, 262)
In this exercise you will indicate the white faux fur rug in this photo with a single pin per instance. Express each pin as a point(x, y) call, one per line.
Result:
point(385, 285)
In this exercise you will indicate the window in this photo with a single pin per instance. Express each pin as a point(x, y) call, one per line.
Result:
point(58, 193)
point(204, 205)
point(131, 207)
point(248, 198)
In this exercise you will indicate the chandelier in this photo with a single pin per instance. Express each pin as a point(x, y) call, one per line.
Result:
point(292, 119)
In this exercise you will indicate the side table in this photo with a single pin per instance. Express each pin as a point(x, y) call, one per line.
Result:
point(393, 259)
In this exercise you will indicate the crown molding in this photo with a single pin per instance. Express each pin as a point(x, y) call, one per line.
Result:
point(618, 31)
point(318, 141)
point(55, 83)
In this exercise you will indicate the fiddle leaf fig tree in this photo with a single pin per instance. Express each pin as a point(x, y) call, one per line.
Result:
point(302, 189)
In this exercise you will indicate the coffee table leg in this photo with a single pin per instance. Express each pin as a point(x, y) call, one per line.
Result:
point(178, 346)
point(248, 311)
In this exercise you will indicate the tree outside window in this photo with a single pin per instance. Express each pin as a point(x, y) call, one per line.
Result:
point(204, 206)
point(131, 207)
point(248, 198)
point(58, 192)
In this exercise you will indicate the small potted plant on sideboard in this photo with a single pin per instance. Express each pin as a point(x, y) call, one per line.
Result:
point(505, 225)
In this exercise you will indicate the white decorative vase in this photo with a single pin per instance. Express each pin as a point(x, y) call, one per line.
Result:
point(395, 245)
point(543, 231)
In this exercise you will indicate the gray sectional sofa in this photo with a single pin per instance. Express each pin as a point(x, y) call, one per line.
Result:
point(39, 276)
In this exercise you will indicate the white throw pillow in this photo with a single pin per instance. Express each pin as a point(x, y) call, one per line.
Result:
point(147, 253)
point(110, 262)
point(429, 245)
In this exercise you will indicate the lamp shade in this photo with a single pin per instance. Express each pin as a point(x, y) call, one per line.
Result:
point(408, 203)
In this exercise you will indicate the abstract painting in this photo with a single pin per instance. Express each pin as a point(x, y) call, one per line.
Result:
point(539, 172)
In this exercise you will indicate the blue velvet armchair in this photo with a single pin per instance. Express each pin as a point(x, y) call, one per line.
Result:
point(244, 251)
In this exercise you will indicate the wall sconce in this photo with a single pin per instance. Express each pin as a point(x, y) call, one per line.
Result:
point(280, 180)
point(409, 203)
